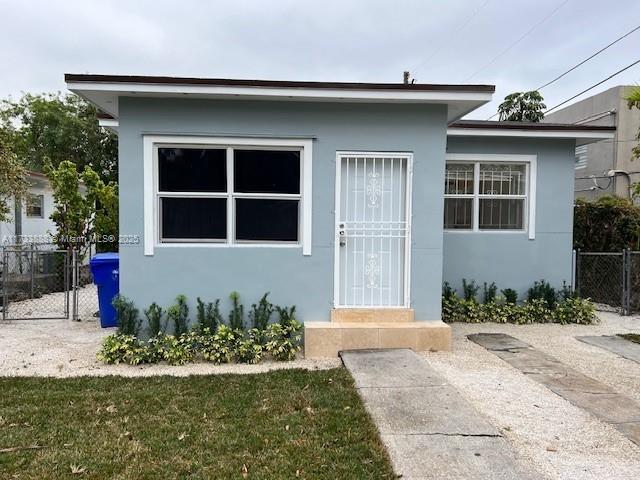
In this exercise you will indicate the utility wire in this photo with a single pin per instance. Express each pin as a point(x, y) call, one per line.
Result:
point(582, 62)
point(589, 58)
point(526, 34)
point(594, 86)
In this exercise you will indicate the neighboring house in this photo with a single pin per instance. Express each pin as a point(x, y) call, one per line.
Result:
point(331, 196)
point(605, 167)
point(30, 220)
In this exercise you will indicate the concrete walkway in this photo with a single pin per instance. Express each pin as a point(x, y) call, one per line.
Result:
point(622, 412)
point(615, 344)
point(430, 431)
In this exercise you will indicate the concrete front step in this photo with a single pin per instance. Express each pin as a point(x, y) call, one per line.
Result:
point(372, 315)
point(327, 339)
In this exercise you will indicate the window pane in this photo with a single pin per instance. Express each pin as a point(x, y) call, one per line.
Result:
point(501, 214)
point(266, 171)
point(192, 169)
point(35, 205)
point(194, 218)
point(458, 213)
point(502, 179)
point(458, 178)
point(267, 220)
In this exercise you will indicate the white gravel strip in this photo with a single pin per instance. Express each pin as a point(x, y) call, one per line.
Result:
point(62, 348)
point(562, 441)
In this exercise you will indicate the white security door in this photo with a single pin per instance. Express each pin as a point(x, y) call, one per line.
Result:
point(372, 230)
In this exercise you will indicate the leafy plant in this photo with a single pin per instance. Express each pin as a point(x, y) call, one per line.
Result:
point(567, 292)
point(13, 180)
point(469, 289)
point(283, 338)
point(250, 349)
point(236, 316)
point(178, 313)
point(448, 292)
point(608, 224)
point(260, 314)
point(154, 316)
point(543, 291)
point(208, 315)
point(287, 315)
point(127, 316)
point(575, 310)
point(510, 295)
point(522, 107)
point(221, 346)
point(489, 292)
point(122, 348)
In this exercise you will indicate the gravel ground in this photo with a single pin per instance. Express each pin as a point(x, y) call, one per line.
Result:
point(559, 440)
point(62, 348)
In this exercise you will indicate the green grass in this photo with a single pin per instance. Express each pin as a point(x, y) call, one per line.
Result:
point(633, 337)
point(284, 424)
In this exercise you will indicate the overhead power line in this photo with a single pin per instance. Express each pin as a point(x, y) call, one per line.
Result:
point(589, 58)
point(525, 35)
point(593, 86)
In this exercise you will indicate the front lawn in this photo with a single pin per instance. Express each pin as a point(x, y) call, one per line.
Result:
point(285, 424)
point(633, 337)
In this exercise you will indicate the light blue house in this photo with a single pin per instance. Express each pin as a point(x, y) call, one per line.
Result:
point(353, 201)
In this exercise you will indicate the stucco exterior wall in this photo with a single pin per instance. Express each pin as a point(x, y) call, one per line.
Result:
point(512, 260)
point(306, 281)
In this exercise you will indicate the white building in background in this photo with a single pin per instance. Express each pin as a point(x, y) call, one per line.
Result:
point(30, 218)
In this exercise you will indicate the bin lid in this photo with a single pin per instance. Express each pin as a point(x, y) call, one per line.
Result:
point(108, 257)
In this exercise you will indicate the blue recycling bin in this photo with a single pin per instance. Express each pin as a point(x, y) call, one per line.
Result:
point(105, 271)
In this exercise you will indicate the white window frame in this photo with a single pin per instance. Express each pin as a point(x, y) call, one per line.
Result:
point(529, 221)
point(151, 203)
point(40, 198)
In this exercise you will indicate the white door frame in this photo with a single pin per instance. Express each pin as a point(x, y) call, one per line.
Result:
point(408, 215)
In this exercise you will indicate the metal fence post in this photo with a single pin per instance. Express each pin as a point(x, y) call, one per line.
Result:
point(5, 277)
point(74, 266)
point(627, 272)
point(576, 286)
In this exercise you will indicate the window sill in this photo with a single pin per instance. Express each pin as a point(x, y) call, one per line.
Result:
point(226, 245)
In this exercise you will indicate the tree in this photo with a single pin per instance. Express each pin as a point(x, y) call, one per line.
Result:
point(13, 180)
point(86, 209)
point(522, 107)
point(54, 128)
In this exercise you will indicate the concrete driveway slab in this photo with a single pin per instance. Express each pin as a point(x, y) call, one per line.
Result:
point(430, 431)
point(622, 412)
point(497, 341)
point(614, 344)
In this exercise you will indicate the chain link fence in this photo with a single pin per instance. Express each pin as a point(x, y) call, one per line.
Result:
point(610, 279)
point(43, 282)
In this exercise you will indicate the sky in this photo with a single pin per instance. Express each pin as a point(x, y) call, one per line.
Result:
point(516, 45)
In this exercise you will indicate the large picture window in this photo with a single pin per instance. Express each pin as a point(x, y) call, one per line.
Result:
point(224, 194)
point(486, 195)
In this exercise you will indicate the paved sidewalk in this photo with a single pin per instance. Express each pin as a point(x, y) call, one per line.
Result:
point(430, 431)
point(614, 344)
point(602, 401)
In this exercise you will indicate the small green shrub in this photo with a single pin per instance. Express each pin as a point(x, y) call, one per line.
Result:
point(447, 291)
point(154, 316)
point(221, 346)
point(178, 313)
point(543, 291)
point(208, 315)
point(260, 314)
point(575, 310)
point(250, 349)
point(123, 348)
point(469, 289)
point(127, 316)
point(489, 292)
point(236, 316)
point(510, 295)
point(177, 350)
point(534, 311)
point(283, 338)
point(567, 292)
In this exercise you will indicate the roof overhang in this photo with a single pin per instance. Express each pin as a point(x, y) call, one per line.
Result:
point(104, 91)
point(582, 134)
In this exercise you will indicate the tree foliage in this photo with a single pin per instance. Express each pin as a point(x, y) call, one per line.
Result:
point(13, 180)
point(86, 209)
point(522, 107)
point(54, 128)
point(608, 224)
